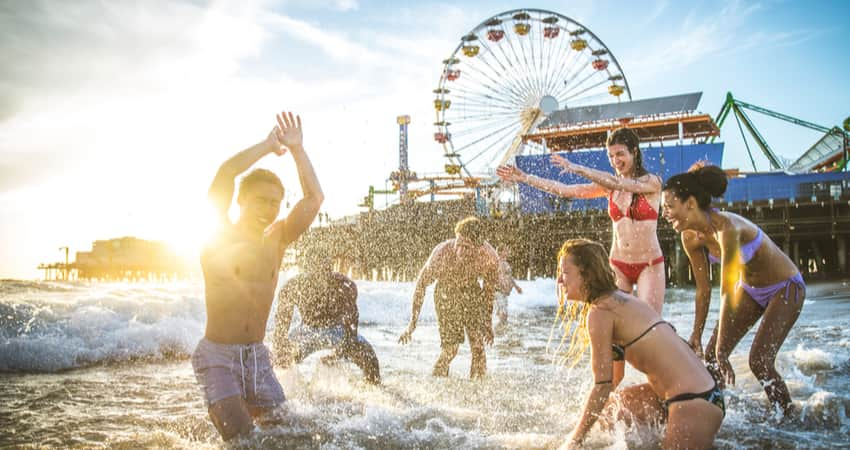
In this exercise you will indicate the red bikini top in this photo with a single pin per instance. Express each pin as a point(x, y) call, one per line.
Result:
point(642, 210)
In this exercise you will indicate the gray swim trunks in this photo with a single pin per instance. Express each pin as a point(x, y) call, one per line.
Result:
point(307, 340)
point(225, 370)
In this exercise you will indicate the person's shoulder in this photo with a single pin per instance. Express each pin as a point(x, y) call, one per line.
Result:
point(442, 248)
point(297, 281)
point(341, 278)
point(653, 180)
point(741, 228)
point(348, 286)
point(492, 254)
point(733, 224)
point(600, 315)
point(738, 221)
point(729, 215)
point(691, 238)
point(649, 176)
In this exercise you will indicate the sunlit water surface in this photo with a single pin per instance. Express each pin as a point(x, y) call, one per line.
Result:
point(108, 365)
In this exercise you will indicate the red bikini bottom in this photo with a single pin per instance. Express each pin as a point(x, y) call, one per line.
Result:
point(632, 270)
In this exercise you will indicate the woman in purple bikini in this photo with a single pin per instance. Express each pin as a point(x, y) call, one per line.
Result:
point(756, 278)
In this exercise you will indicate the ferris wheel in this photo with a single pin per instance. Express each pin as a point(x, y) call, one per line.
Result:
point(507, 75)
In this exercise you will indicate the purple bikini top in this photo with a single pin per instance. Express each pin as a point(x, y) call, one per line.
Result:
point(747, 250)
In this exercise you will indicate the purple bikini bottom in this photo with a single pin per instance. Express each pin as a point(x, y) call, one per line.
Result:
point(762, 295)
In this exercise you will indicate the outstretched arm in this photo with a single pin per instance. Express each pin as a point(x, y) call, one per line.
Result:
point(701, 270)
point(223, 185)
point(515, 175)
point(647, 184)
point(730, 271)
point(427, 275)
point(299, 219)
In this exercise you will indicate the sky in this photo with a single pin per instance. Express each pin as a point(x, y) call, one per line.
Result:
point(114, 116)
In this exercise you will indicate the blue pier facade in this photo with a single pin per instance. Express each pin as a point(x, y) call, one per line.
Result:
point(749, 188)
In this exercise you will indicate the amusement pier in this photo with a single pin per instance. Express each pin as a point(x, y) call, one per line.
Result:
point(526, 83)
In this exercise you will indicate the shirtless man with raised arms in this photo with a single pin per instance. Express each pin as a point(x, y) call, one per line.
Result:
point(241, 264)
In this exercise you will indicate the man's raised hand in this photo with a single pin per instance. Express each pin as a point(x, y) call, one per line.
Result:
point(273, 142)
point(289, 131)
point(286, 135)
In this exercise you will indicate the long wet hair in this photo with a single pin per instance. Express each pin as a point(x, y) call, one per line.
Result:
point(628, 137)
point(702, 181)
point(592, 261)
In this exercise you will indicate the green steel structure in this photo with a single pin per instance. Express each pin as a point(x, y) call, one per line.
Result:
point(738, 107)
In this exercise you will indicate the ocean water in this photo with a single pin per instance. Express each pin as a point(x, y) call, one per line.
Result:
point(107, 365)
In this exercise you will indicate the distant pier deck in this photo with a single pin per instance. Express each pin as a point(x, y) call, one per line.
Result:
point(121, 259)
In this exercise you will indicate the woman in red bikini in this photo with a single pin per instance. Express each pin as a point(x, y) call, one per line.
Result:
point(757, 279)
point(634, 196)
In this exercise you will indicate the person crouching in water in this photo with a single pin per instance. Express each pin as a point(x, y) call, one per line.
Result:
point(462, 304)
point(616, 325)
point(327, 303)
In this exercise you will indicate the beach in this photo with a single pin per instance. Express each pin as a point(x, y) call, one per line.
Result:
point(107, 365)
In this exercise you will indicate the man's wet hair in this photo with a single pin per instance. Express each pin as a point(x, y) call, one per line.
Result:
point(471, 228)
point(259, 176)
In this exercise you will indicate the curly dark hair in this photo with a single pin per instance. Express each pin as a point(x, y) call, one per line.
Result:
point(702, 182)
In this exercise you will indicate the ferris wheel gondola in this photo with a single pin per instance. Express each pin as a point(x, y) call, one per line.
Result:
point(510, 72)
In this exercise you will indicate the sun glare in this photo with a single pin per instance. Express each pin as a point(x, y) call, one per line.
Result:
point(187, 237)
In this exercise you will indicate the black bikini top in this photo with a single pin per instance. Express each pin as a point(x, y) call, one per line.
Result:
point(620, 352)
